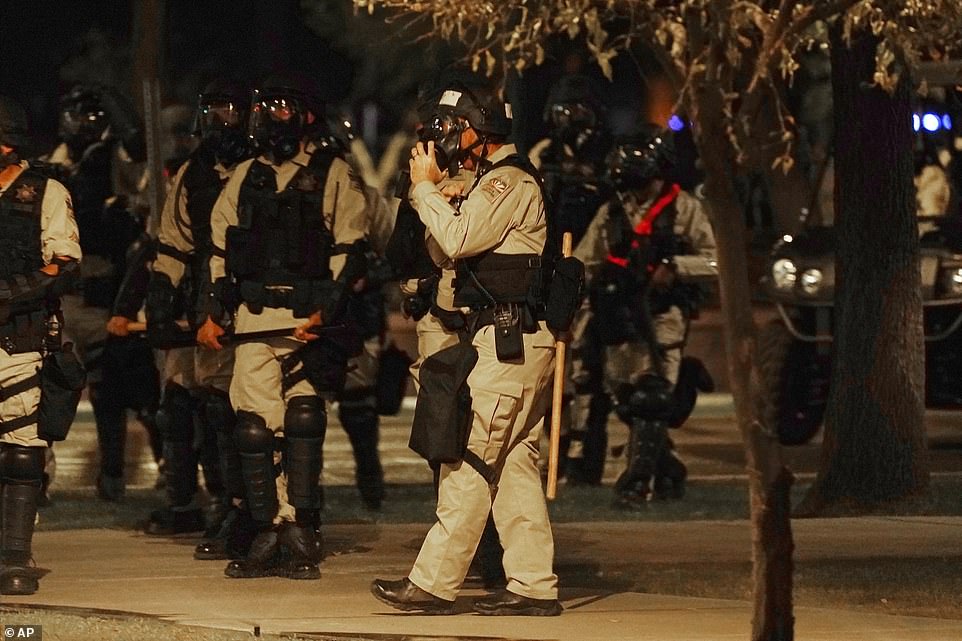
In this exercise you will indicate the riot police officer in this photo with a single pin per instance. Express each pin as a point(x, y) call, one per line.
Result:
point(197, 380)
point(572, 161)
point(288, 232)
point(646, 252)
point(572, 158)
point(496, 237)
point(101, 155)
point(39, 250)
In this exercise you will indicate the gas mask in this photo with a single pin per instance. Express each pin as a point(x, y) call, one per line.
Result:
point(81, 126)
point(220, 124)
point(632, 168)
point(445, 130)
point(277, 125)
point(572, 123)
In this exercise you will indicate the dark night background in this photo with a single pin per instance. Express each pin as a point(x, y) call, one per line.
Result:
point(368, 71)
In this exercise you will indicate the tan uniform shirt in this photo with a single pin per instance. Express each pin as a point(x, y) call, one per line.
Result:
point(343, 210)
point(174, 229)
point(691, 221)
point(59, 236)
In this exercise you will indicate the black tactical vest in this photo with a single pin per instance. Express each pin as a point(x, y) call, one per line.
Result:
point(21, 253)
point(20, 209)
point(491, 278)
point(203, 184)
point(279, 252)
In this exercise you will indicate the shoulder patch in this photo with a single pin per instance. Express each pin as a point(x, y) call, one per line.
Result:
point(492, 188)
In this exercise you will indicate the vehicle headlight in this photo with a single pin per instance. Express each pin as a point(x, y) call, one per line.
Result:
point(811, 280)
point(952, 281)
point(784, 273)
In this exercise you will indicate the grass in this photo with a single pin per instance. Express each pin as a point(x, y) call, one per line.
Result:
point(716, 500)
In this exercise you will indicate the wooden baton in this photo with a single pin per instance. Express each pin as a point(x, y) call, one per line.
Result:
point(557, 394)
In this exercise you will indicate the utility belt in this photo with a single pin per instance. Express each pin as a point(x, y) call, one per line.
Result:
point(303, 297)
point(24, 332)
point(510, 319)
point(499, 278)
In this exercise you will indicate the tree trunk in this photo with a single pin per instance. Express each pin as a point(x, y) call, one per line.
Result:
point(874, 448)
point(769, 480)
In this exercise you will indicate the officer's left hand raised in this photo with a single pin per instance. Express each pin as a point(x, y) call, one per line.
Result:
point(423, 164)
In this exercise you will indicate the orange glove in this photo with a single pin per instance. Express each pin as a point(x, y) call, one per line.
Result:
point(301, 332)
point(118, 326)
point(208, 334)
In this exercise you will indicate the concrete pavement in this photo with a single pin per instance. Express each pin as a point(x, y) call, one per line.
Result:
point(129, 572)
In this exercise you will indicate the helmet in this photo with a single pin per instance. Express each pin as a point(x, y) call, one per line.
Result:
point(479, 107)
point(285, 110)
point(83, 118)
point(221, 119)
point(13, 123)
point(640, 158)
point(574, 107)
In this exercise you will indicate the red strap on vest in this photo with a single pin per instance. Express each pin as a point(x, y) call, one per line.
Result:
point(643, 228)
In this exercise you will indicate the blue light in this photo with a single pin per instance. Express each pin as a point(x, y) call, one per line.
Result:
point(930, 122)
point(916, 122)
point(675, 123)
point(947, 122)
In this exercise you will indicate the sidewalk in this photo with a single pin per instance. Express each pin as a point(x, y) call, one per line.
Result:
point(129, 572)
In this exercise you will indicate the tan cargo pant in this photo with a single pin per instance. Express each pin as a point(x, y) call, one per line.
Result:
point(256, 387)
point(508, 403)
point(13, 369)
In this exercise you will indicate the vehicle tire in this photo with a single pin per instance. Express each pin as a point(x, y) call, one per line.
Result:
point(794, 382)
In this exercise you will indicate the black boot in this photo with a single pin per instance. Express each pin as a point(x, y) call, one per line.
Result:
point(263, 559)
point(175, 420)
point(670, 475)
point(304, 547)
point(21, 469)
point(232, 541)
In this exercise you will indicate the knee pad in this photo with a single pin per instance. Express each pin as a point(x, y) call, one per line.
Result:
point(305, 418)
point(305, 423)
point(651, 399)
point(218, 411)
point(255, 442)
point(175, 417)
point(22, 465)
point(252, 434)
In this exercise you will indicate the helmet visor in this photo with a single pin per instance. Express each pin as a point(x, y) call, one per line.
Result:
point(572, 115)
point(216, 115)
point(78, 122)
